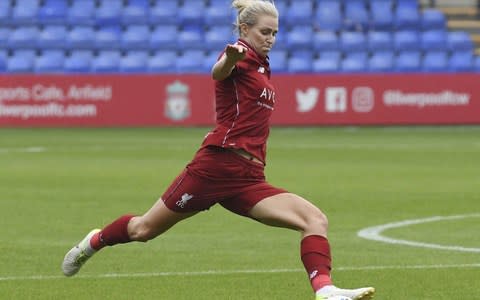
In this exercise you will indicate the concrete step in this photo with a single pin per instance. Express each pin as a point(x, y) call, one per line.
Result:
point(453, 12)
point(472, 26)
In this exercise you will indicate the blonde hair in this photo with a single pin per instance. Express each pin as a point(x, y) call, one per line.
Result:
point(250, 10)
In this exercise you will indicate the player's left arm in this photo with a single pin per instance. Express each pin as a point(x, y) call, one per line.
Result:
point(225, 65)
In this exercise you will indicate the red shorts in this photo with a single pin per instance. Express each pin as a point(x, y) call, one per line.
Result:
point(217, 175)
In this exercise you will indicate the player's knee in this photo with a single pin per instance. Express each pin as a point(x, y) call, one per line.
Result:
point(317, 221)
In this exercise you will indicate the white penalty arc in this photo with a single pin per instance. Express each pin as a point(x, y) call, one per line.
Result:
point(375, 233)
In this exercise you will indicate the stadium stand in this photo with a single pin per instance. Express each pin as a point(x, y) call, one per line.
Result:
point(324, 36)
point(81, 12)
point(51, 61)
point(407, 61)
point(79, 61)
point(163, 61)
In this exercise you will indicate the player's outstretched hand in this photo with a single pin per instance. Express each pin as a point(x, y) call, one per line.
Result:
point(235, 52)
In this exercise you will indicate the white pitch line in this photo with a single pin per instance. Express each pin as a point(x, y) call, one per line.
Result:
point(233, 272)
point(375, 233)
point(23, 150)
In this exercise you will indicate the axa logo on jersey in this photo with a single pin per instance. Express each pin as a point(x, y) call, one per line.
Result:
point(336, 99)
point(183, 201)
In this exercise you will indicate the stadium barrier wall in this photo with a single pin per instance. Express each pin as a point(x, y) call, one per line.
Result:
point(185, 100)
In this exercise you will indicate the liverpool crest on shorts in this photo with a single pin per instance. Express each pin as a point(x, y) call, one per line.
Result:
point(177, 105)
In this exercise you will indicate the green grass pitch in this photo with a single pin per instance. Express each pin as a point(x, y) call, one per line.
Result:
point(57, 184)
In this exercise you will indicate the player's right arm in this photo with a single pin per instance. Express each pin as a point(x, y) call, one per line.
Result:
point(224, 66)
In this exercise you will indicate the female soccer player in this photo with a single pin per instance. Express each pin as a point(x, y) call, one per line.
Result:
point(229, 166)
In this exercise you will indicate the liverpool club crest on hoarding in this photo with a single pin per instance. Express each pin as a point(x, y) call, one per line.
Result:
point(177, 105)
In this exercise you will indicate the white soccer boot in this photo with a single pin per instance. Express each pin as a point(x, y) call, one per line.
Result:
point(78, 255)
point(331, 292)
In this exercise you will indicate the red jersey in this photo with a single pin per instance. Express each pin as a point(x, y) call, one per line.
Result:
point(244, 103)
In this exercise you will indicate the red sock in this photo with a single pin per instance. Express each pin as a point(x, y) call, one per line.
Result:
point(112, 234)
point(315, 253)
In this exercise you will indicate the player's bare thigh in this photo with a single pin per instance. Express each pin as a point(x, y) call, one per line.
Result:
point(291, 211)
point(158, 219)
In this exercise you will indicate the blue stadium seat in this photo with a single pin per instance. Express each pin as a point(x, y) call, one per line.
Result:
point(51, 61)
point(107, 61)
point(163, 62)
point(192, 12)
point(164, 12)
point(164, 37)
point(459, 40)
point(208, 62)
point(218, 36)
point(434, 40)
point(282, 8)
point(408, 61)
point(476, 64)
point(379, 40)
point(356, 15)
point(300, 37)
point(218, 13)
point(300, 13)
point(359, 55)
point(433, 19)
point(351, 41)
point(190, 61)
point(28, 54)
point(330, 54)
point(82, 12)
point(134, 62)
point(109, 12)
point(4, 36)
point(328, 15)
point(53, 12)
point(324, 65)
point(190, 38)
point(278, 60)
point(461, 61)
point(325, 40)
point(353, 64)
point(407, 16)
point(135, 12)
point(17, 63)
point(408, 3)
point(108, 37)
point(5, 11)
point(136, 37)
point(3, 60)
point(25, 12)
point(81, 37)
point(23, 37)
point(435, 61)
point(79, 61)
point(300, 62)
point(381, 61)
point(280, 40)
point(52, 36)
point(381, 12)
point(406, 40)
